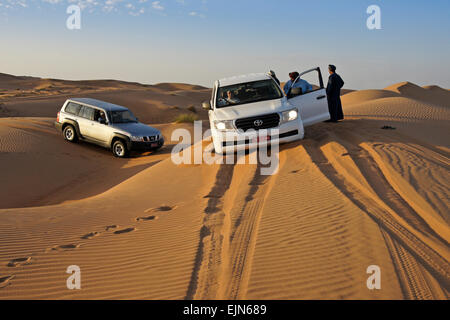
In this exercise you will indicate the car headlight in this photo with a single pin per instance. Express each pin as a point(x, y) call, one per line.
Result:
point(289, 115)
point(224, 125)
point(136, 138)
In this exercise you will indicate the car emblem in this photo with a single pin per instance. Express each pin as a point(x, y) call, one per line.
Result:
point(258, 123)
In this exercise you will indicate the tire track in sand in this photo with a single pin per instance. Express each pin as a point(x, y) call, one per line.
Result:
point(399, 239)
point(208, 259)
point(379, 184)
point(228, 236)
point(413, 278)
point(243, 236)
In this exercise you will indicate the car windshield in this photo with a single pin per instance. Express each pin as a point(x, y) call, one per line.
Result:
point(249, 92)
point(123, 116)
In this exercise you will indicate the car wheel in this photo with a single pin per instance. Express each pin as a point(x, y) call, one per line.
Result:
point(70, 134)
point(119, 149)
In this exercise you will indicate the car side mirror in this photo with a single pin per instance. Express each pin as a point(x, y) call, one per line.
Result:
point(206, 105)
point(295, 92)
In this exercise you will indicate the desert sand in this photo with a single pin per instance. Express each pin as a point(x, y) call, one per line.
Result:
point(348, 196)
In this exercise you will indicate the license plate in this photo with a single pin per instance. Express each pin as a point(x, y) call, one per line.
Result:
point(154, 145)
point(261, 139)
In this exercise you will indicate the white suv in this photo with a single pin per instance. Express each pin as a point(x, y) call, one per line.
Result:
point(242, 106)
point(106, 124)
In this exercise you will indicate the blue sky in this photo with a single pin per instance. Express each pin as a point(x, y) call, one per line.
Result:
point(198, 41)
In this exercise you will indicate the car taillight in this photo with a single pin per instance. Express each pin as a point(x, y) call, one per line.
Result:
point(57, 117)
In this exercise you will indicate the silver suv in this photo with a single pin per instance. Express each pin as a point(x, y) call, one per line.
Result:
point(106, 124)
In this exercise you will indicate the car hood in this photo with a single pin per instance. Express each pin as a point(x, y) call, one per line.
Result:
point(252, 109)
point(136, 129)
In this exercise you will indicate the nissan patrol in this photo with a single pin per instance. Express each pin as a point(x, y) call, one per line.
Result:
point(106, 124)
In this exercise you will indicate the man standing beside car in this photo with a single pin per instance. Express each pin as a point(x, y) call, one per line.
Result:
point(335, 83)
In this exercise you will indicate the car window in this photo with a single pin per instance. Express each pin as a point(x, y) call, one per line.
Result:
point(99, 114)
point(248, 92)
point(72, 108)
point(123, 116)
point(87, 113)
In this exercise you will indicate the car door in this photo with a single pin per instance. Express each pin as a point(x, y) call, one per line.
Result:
point(312, 105)
point(85, 120)
point(99, 131)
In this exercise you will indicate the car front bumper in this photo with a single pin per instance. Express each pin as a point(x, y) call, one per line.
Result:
point(235, 141)
point(145, 146)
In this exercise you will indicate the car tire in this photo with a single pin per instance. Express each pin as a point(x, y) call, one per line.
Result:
point(119, 149)
point(70, 134)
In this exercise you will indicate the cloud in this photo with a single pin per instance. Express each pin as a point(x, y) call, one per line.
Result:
point(15, 3)
point(157, 5)
point(196, 14)
point(132, 7)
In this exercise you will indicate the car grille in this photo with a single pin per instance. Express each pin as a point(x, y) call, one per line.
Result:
point(266, 121)
point(151, 138)
point(247, 141)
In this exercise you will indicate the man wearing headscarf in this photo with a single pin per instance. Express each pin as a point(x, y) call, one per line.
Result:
point(296, 82)
point(335, 83)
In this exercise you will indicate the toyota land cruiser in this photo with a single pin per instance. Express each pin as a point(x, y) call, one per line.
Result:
point(251, 103)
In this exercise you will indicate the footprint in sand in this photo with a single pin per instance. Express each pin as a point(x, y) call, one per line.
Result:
point(4, 281)
point(124, 230)
point(149, 218)
point(163, 208)
point(113, 226)
point(70, 246)
point(90, 235)
point(19, 262)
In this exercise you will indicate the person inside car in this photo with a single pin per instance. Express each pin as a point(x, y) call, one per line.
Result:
point(231, 99)
point(100, 116)
point(296, 82)
point(227, 99)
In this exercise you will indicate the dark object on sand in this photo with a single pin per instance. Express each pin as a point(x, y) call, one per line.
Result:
point(387, 128)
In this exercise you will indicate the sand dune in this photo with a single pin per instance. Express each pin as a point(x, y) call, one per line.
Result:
point(160, 103)
point(178, 87)
point(358, 97)
point(430, 94)
point(348, 196)
point(52, 171)
point(424, 122)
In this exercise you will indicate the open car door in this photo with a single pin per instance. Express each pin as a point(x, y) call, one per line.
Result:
point(313, 104)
